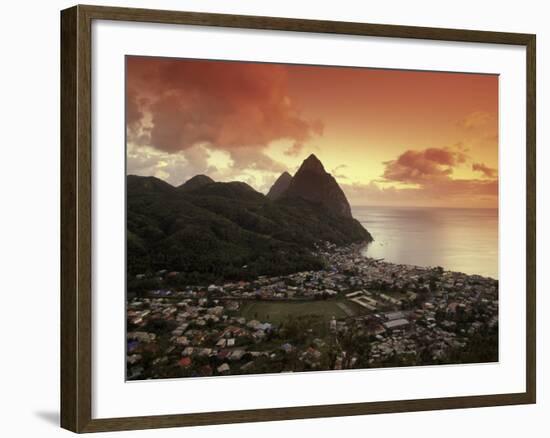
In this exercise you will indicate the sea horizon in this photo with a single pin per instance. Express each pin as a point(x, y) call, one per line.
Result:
point(434, 207)
point(457, 239)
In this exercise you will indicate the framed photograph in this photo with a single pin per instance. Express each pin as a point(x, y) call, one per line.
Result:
point(271, 218)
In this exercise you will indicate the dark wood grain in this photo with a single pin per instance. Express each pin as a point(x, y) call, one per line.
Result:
point(76, 249)
point(69, 328)
point(76, 220)
point(338, 410)
point(531, 250)
point(300, 25)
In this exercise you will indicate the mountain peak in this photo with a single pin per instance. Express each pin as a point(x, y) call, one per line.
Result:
point(314, 184)
point(149, 184)
point(195, 182)
point(313, 164)
point(280, 186)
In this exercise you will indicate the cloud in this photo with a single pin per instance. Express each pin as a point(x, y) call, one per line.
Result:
point(294, 150)
point(487, 172)
point(476, 120)
point(425, 177)
point(336, 172)
point(173, 168)
point(226, 105)
point(133, 110)
point(430, 164)
point(339, 167)
point(458, 192)
point(252, 159)
point(244, 164)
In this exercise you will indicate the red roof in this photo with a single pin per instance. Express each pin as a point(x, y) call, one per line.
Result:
point(184, 362)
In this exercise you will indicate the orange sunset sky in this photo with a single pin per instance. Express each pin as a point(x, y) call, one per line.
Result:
point(389, 137)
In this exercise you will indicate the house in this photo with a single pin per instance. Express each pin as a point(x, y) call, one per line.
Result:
point(205, 352)
point(185, 362)
point(223, 368)
point(265, 326)
point(134, 358)
point(222, 354)
point(237, 354)
point(141, 336)
point(187, 351)
point(182, 340)
point(253, 324)
point(396, 324)
point(390, 316)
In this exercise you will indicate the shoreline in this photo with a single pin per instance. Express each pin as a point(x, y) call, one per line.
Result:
point(355, 251)
point(461, 240)
point(428, 267)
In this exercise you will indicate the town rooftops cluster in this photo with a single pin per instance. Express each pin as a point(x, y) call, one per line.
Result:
point(402, 314)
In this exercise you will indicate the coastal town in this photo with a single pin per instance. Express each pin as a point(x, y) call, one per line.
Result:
point(357, 312)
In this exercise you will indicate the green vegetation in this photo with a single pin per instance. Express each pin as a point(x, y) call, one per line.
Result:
point(224, 231)
point(279, 311)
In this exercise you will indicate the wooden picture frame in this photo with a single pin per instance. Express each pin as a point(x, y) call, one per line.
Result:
point(76, 217)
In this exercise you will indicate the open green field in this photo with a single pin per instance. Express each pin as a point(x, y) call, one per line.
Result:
point(278, 311)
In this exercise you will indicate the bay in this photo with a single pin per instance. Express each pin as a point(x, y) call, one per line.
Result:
point(463, 240)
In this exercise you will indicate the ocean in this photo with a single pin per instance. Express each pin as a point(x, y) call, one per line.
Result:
point(457, 239)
